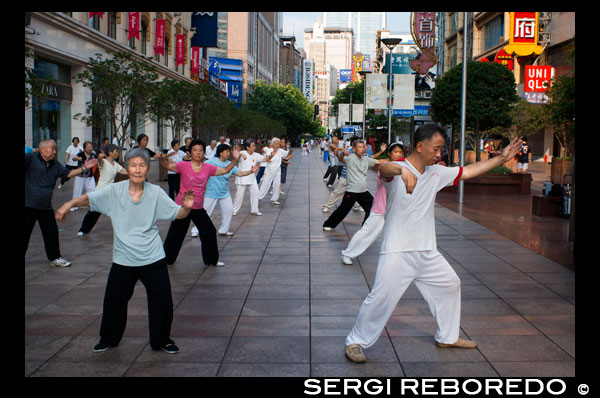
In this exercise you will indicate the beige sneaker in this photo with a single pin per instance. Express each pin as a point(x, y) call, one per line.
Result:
point(460, 343)
point(355, 353)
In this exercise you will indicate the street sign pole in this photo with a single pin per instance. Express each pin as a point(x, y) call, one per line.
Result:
point(463, 109)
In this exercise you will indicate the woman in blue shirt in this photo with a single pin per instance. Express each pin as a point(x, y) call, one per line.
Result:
point(217, 189)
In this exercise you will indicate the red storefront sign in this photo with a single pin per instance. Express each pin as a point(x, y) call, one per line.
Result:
point(537, 78)
point(159, 45)
point(180, 50)
point(422, 26)
point(134, 25)
point(504, 58)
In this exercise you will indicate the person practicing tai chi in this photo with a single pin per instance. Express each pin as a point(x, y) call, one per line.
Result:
point(248, 159)
point(409, 250)
point(368, 233)
point(134, 206)
point(273, 171)
point(217, 189)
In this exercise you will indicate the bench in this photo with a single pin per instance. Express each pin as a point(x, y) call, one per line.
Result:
point(545, 205)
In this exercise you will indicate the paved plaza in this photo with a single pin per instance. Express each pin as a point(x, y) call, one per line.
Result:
point(283, 303)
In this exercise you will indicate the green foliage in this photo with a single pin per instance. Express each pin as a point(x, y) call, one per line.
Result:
point(284, 104)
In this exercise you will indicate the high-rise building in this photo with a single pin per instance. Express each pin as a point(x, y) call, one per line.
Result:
point(364, 25)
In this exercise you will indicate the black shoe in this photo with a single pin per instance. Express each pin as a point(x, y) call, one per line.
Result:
point(101, 347)
point(171, 349)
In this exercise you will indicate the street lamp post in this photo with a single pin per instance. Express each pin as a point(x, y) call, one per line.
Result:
point(364, 73)
point(350, 90)
point(390, 43)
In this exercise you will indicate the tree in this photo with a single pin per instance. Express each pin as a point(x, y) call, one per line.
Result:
point(285, 104)
point(212, 112)
point(491, 90)
point(122, 88)
point(172, 103)
point(561, 107)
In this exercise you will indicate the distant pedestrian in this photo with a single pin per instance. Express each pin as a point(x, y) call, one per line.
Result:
point(85, 181)
point(71, 164)
point(523, 156)
point(134, 207)
point(41, 172)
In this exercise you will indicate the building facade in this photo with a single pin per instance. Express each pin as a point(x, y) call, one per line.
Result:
point(364, 25)
point(62, 44)
point(488, 33)
point(253, 37)
point(290, 62)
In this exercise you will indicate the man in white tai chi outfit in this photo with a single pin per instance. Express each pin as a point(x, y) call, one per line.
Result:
point(409, 249)
point(273, 171)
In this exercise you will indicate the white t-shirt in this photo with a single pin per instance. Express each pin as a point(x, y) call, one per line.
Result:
point(210, 152)
point(73, 151)
point(108, 172)
point(176, 158)
point(247, 164)
point(274, 165)
point(409, 219)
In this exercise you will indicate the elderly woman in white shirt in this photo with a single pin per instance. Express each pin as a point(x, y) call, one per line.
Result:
point(248, 158)
point(273, 171)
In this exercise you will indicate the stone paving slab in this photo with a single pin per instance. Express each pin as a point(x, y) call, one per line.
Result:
point(284, 302)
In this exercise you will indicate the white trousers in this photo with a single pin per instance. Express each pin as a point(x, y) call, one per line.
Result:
point(239, 197)
point(435, 279)
point(365, 236)
point(87, 184)
point(226, 206)
point(270, 178)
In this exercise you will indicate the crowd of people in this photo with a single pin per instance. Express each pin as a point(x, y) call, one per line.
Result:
point(401, 212)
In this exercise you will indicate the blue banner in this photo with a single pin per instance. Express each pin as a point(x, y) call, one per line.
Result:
point(345, 75)
point(206, 29)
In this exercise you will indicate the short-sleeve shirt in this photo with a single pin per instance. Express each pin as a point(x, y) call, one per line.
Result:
point(411, 225)
point(40, 180)
point(217, 186)
point(247, 164)
point(194, 180)
point(136, 241)
point(108, 172)
point(178, 157)
point(275, 163)
point(356, 172)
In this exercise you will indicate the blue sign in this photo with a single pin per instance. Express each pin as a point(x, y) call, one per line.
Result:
point(230, 71)
point(420, 110)
point(348, 129)
point(206, 29)
point(345, 75)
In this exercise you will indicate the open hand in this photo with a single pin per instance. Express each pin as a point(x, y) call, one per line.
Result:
point(91, 163)
point(511, 149)
point(254, 168)
point(188, 198)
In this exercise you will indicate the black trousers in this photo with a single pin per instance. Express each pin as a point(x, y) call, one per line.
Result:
point(89, 221)
point(119, 289)
point(365, 199)
point(173, 180)
point(45, 217)
point(206, 231)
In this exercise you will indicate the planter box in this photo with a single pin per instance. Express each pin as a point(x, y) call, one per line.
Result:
point(559, 168)
point(503, 184)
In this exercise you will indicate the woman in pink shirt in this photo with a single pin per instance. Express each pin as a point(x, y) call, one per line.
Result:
point(366, 235)
point(194, 176)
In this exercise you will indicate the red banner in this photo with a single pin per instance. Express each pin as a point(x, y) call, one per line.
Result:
point(134, 25)
point(159, 45)
point(180, 50)
point(195, 63)
point(100, 14)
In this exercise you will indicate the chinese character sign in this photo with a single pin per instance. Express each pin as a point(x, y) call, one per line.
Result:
point(159, 46)
point(134, 25)
point(523, 34)
point(180, 50)
point(422, 27)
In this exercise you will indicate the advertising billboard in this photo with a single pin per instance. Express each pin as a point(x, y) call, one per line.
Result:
point(345, 75)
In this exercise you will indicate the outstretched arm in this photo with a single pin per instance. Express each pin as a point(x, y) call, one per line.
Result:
point(391, 169)
point(478, 168)
point(64, 210)
point(164, 162)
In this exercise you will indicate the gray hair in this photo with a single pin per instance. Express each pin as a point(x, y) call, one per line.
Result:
point(137, 153)
point(46, 142)
point(274, 140)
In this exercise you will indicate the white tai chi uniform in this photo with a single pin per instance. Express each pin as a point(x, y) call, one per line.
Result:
point(409, 253)
point(272, 174)
point(247, 181)
point(368, 233)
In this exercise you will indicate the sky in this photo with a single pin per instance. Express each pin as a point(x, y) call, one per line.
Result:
point(295, 22)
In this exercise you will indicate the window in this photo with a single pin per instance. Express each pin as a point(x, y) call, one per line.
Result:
point(94, 22)
point(143, 37)
point(112, 25)
point(167, 46)
point(492, 32)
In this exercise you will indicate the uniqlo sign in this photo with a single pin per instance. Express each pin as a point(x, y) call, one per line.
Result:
point(537, 78)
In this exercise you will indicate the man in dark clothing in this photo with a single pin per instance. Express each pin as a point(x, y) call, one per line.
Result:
point(523, 157)
point(41, 171)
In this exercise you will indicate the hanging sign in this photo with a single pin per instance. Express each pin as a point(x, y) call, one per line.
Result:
point(523, 34)
point(504, 58)
point(159, 45)
point(422, 28)
point(195, 63)
point(134, 25)
point(180, 50)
